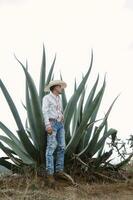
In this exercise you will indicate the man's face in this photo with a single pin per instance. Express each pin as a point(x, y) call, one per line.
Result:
point(58, 89)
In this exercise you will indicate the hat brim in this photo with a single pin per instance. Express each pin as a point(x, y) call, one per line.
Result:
point(61, 83)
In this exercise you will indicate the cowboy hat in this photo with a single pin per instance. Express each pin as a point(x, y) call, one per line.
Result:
point(55, 82)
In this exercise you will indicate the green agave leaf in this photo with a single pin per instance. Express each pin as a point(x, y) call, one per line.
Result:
point(12, 136)
point(91, 95)
point(31, 119)
point(79, 116)
point(103, 158)
point(9, 154)
point(75, 115)
point(88, 133)
point(93, 117)
point(9, 165)
point(64, 99)
point(11, 151)
point(74, 99)
point(21, 132)
point(22, 155)
point(105, 131)
point(101, 142)
point(92, 144)
point(23, 105)
point(80, 106)
point(71, 147)
point(83, 152)
point(42, 76)
point(51, 71)
point(36, 109)
point(12, 106)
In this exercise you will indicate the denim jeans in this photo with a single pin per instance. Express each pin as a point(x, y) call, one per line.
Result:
point(55, 148)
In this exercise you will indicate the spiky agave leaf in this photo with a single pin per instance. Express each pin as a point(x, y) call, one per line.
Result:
point(79, 115)
point(42, 76)
point(30, 149)
point(75, 116)
point(9, 165)
point(103, 158)
point(31, 119)
point(105, 131)
point(88, 133)
point(102, 140)
point(74, 99)
point(64, 98)
point(37, 111)
point(50, 74)
point(12, 136)
point(22, 155)
point(71, 147)
point(91, 146)
point(9, 154)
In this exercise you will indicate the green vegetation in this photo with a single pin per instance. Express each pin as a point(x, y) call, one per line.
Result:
point(85, 141)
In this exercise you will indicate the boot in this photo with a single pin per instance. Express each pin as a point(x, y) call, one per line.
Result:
point(50, 181)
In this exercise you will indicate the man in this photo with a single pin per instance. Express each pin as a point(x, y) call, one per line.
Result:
point(53, 119)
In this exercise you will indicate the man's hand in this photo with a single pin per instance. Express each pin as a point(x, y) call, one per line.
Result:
point(49, 130)
point(62, 118)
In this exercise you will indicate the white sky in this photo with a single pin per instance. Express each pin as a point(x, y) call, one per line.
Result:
point(70, 28)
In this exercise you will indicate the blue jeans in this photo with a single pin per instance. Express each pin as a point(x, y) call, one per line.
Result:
point(55, 148)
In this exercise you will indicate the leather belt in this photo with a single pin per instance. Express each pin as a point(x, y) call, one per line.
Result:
point(52, 119)
point(55, 120)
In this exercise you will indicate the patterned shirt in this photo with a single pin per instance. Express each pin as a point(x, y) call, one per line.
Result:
point(52, 108)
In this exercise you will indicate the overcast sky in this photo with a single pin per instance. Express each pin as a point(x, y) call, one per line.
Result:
point(70, 28)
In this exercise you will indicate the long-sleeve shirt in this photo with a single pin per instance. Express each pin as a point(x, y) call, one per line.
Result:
point(52, 108)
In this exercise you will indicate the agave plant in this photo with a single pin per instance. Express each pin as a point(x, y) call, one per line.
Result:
point(83, 138)
point(28, 146)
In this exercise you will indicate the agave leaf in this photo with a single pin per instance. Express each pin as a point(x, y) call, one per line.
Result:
point(91, 95)
point(101, 142)
point(23, 105)
point(21, 132)
point(105, 131)
point(50, 71)
point(50, 75)
point(9, 154)
point(22, 155)
point(74, 99)
point(80, 115)
point(93, 117)
point(11, 151)
point(64, 99)
point(9, 165)
point(31, 119)
point(92, 144)
point(71, 147)
point(87, 135)
point(12, 136)
point(42, 76)
point(103, 158)
point(75, 115)
point(12, 106)
point(36, 108)
point(80, 106)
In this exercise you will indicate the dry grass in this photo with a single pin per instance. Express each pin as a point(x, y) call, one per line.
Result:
point(24, 188)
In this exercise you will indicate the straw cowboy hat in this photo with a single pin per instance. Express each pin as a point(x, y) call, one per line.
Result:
point(55, 82)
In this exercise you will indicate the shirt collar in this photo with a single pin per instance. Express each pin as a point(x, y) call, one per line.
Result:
point(54, 95)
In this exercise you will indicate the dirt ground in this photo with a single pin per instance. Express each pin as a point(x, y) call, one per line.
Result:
point(17, 187)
